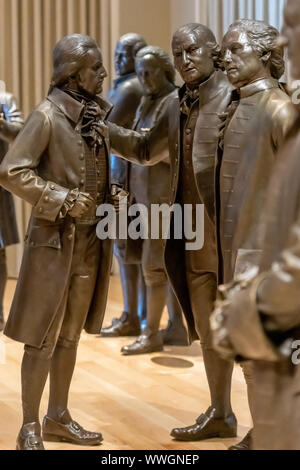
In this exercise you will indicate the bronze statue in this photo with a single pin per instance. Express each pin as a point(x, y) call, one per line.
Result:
point(189, 132)
point(259, 319)
point(59, 164)
point(152, 185)
point(126, 95)
point(253, 64)
point(10, 124)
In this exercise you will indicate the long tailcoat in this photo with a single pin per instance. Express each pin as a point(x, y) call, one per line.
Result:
point(271, 311)
point(263, 118)
point(8, 224)
point(44, 163)
point(164, 139)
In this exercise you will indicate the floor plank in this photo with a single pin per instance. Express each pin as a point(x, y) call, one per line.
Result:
point(134, 401)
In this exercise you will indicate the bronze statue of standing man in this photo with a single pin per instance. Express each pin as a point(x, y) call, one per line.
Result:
point(260, 320)
point(126, 95)
point(60, 165)
point(189, 130)
point(254, 63)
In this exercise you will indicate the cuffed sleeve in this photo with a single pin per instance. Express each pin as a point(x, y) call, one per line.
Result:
point(51, 201)
point(278, 293)
point(145, 149)
point(18, 170)
point(241, 320)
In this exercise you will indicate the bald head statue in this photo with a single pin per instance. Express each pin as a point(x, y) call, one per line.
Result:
point(125, 52)
point(196, 53)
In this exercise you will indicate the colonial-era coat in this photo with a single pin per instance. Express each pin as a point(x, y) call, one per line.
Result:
point(257, 129)
point(8, 225)
point(45, 162)
point(214, 97)
point(270, 306)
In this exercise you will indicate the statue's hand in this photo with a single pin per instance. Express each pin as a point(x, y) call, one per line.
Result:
point(82, 204)
point(102, 128)
point(119, 198)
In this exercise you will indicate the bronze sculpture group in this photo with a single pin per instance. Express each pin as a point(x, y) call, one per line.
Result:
point(228, 139)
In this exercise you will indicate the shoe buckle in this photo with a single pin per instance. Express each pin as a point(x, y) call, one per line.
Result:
point(75, 426)
point(34, 441)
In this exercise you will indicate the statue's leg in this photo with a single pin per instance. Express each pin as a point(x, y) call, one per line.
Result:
point(133, 296)
point(130, 279)
point(218, 420)
point(142, 298)
point(248, 370)
point(175, 333)
point(219, 372)
point(3, 279)
point(34, 372)
point(58, 424)
point(156, 283)
point(35, 368)
point(156, 301)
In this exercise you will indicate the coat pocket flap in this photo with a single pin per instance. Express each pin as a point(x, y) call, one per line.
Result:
point(48, 236)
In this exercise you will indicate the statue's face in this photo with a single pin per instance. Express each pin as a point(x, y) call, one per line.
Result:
point(124, 60)
point(150, 74)
point(241, 62)
point(192, 58)
point(291, 32)
point(91, 76)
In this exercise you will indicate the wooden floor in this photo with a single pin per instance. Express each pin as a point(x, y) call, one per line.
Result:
point(134, 401)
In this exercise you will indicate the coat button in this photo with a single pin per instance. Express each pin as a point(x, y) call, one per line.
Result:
point(188, 131)
point(82, 170)
point(40, 210)
point(82, 182)
point(46, 199)
point(70, 237)
point(80, 142)
point(52, 187)
point(81, 157)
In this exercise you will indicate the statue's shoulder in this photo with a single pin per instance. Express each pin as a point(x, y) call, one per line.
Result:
point(131, 86)
point(280, 106)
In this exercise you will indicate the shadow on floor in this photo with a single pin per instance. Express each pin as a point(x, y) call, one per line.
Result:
point(169, 361)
